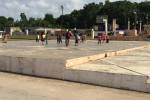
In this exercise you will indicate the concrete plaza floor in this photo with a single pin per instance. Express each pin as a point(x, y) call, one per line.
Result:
point(52, 50)
point(135, 62)
point(18, 87)
point(28, 57)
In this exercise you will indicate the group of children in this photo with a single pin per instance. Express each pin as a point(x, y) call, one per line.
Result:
point(78, 37)
point(43, 37)
point(103, 38)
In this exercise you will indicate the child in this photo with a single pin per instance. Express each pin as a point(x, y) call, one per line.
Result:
point(107, 38)
point(99, 38)
point(68, 36)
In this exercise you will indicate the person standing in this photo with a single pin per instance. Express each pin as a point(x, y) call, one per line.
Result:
point(42, 38)
point(76, 36)
point(107, 38)
point(59, 38)
point(99, 38)
point(68, 36)
point(83, 37)
point(103, 37)
point(5, 36)
point(46, 38)
point(37, 37)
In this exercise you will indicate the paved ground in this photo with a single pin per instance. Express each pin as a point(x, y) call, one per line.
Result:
point(30, 48)
point(17, 87)
point(135, 62)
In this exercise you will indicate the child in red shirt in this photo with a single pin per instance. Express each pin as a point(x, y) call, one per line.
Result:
point(99, 38)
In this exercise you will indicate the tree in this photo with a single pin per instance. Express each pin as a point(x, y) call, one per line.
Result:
point(107, 1)
point(32, 22)
point(49, 20)
point(23, 21)
point(23, 17)
point(89, 14)
point(84, 18)
point(121, 10)
point(144, 9)
point(3, 22)
point(10, 21)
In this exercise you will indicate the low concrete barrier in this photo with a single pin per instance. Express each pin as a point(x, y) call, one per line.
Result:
point(61, 69)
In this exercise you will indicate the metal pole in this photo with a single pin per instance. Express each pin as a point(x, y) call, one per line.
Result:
point(62, 9)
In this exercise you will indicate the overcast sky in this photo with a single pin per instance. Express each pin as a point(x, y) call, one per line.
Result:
point(37, 8)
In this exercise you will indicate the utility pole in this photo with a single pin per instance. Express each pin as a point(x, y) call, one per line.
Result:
point(62, 9)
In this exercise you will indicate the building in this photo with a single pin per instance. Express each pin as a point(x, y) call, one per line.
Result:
point(11, 30)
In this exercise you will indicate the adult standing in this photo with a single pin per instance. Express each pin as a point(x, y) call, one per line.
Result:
point(46, 38)
point(5, 36)
point(59, 38)
point(83, 37)
point(37, 37)
point(68, 36)
point(103, 37)
point(107, 38)
point(99, 38)
point(76, 36)
point(42, 38)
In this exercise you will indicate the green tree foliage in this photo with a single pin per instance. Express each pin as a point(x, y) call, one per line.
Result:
point(85, 18)
point(49, 20)
point(10, 21)
point(144, 9)
point(23, 21)
point(122, 10)
point(3, 22)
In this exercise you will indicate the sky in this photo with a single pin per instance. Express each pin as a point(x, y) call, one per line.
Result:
point(38, 8)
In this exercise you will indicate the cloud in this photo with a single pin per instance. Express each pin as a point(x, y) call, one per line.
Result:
point(38, 8)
